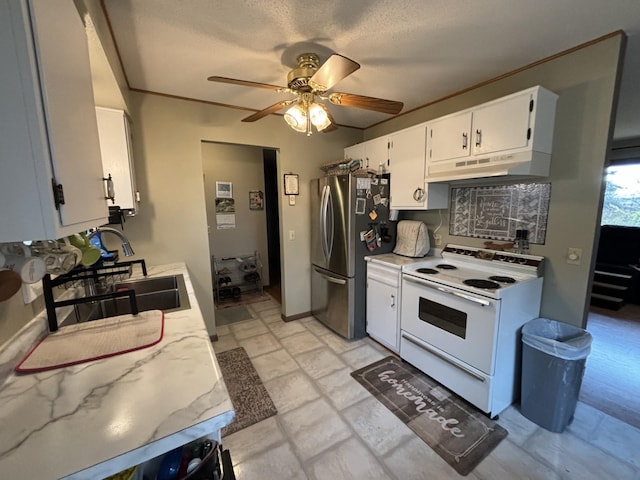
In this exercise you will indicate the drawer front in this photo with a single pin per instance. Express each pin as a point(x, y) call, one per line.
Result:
point(384, 274)
point(471, 384)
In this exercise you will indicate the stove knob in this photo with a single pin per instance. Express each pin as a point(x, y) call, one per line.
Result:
point(512, 259)
point(522, 261)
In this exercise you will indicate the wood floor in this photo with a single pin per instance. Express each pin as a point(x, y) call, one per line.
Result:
point(274, 291)
point(611, 381)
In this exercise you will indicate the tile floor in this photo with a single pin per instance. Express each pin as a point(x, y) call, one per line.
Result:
point(330, 427)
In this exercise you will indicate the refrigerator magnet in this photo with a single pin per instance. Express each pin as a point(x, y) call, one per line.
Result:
point(373, 215)
point(361, 204)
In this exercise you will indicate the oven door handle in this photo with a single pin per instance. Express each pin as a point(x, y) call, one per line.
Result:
point(480, 301)
point(420, 344)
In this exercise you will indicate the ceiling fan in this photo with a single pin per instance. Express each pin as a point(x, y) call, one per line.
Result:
point(309, 81)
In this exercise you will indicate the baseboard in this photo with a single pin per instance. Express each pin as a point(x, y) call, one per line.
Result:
point(295, 317)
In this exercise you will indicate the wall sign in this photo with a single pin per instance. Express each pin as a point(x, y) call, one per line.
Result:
point(497, 212)
point(224, 190)
point(291, 186)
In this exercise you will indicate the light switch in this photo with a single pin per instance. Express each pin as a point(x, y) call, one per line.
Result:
point(292, 234)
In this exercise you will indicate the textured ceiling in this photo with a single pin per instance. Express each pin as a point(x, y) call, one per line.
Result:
point(413, 51)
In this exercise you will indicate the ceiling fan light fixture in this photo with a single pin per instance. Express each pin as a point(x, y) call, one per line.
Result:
point(319, 116)
point(296, 117)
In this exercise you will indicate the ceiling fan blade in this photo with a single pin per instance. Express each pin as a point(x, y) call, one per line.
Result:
point(268, 111)
point(368, 103)
point(332, 71)
point(244, 83)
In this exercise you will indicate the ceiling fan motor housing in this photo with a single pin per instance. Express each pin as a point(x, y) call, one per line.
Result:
point(298, 78)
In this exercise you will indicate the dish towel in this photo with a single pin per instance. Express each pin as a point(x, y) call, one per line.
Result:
point(88, 341)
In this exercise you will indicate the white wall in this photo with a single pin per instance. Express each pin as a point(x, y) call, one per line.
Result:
point(586, 81)
point(172, 223)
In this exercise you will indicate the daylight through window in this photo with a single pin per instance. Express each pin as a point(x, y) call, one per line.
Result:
point(622, 196)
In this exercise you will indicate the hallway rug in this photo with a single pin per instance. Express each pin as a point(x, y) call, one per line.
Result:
point(457, 431)
point(226, 316)
point(244, 299)
point(250, 398)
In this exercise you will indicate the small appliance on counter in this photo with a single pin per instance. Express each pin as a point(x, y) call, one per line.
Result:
point(412, 239)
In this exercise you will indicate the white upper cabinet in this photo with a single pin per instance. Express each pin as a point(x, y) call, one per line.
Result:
point(51, 183)
point(407, 168)
point(449, 137)
point(373, 153)
point(512, 135)
point(117, 158)
point(502, 125)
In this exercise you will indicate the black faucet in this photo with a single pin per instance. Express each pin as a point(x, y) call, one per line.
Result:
point(119, 268)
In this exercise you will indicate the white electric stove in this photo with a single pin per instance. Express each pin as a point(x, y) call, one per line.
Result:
point(461, 315)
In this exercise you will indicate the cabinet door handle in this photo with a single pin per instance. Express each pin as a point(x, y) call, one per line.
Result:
point(393, 300)
point(418, 194)
point(478, 137)
point(111, 194)
point(465, 140)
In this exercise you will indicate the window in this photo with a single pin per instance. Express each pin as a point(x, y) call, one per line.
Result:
point(622, 196)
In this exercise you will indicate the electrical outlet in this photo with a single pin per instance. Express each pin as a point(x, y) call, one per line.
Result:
point(574, 256)
point(437, 239)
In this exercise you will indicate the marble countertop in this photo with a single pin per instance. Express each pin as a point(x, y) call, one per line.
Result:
point(91, 420)
point(396, 261)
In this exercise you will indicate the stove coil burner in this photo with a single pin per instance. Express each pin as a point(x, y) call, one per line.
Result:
point(429, 271)
point(479, 283)
point(498, 278)
point(446, 266)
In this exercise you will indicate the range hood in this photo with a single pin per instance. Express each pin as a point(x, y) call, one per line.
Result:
point(523, 163)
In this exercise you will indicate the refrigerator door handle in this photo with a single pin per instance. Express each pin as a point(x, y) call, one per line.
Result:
point(323, 221)
point(330, 224)
point(326, 222)
point(329, 278)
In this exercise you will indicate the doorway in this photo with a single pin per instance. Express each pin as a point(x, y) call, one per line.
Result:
point(613, 366)
point(240, 184)
point(273, 223)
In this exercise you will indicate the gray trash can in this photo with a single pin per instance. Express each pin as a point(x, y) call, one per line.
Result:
point(553, 361)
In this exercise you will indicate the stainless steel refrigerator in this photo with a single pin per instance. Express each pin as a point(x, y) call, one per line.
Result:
point(349, 220)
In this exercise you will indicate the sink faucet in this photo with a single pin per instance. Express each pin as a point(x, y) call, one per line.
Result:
point(126, 246)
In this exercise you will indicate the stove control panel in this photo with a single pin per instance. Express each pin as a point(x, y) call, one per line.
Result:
point(495, 255)
point(486, 254)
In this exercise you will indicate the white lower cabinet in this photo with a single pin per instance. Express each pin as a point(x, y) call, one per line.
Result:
point(383, 305)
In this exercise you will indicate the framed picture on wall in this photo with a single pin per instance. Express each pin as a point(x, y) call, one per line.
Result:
point(224, 190)
point(291, 186)
point(256, 200)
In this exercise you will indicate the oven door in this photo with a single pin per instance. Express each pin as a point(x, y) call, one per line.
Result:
point(461, 324)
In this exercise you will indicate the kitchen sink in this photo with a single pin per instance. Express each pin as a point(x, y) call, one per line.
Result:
point(151, 285)
point(168, 294)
